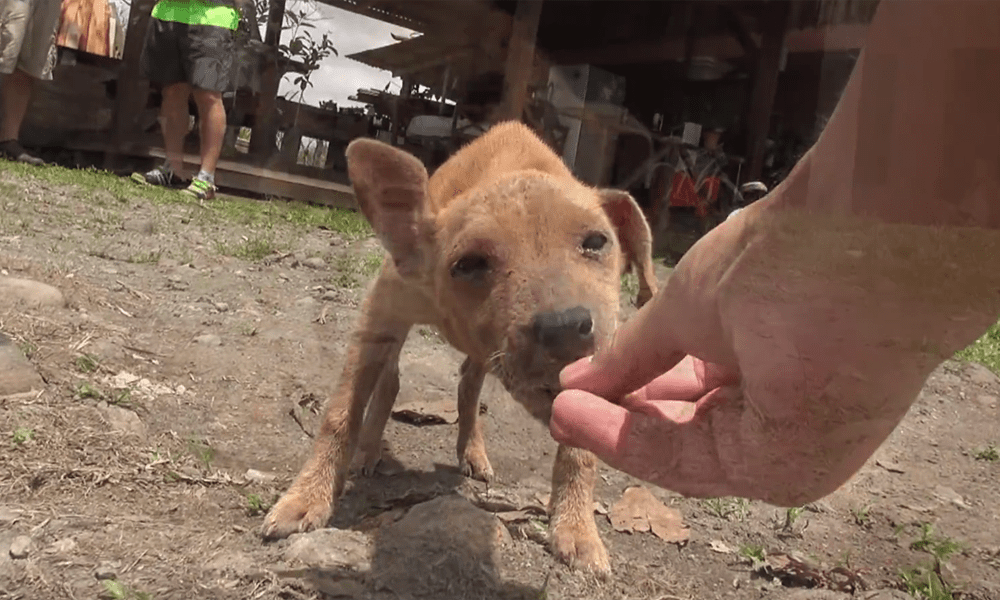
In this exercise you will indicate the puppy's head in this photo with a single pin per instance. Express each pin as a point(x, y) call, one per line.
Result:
point(526, 269)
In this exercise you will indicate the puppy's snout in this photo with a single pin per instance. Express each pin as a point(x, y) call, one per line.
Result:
point(567, 335)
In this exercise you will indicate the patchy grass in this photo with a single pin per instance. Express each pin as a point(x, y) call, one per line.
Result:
point(86, 363)
point(22, 435)
point(862, 515)
point(98, 185)
point(925, 584)
point(355, 269)
point(201, 451)
point(249, 248)
point(940, 547)
point(988, 454)
point(256, 505)
point(724, 508)
point(985, 350)
point(116, 590)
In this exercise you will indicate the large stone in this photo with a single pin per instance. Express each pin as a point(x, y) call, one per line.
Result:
point(443, 548)
point(123, 420)
point(331, 549)
point(26, 292)
point(17, 375)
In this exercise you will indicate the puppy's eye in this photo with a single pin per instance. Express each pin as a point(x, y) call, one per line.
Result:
point(594, 242)
point(470, 266)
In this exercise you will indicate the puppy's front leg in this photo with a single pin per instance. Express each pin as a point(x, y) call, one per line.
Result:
point(308, 503)
point(471, 447)
point(574, 537)
point(369, 451)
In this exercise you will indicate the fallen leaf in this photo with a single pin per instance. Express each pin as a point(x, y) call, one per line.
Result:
point(720, 547)
point(513, 516)
point(640, 511)
point(435, 412)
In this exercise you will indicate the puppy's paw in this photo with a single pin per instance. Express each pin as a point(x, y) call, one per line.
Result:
point(476, 465)
point(297, 511)
point(579, 545)
point(366, 461)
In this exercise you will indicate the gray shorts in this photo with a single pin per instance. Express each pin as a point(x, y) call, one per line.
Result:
point(28, 36)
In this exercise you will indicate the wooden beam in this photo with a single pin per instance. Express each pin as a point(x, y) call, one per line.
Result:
point(265, 127)
point(131, 90)
point(740, 28)
point(765, 86)
point(520, 59)
point(838, 38)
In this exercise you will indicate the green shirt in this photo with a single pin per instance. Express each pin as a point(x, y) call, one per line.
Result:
point(198, 12)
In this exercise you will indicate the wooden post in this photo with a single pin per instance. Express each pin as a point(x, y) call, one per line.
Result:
point(265, 124)
point(398, 109)
point(765, 85)
point(520, 60)
point(132, 90)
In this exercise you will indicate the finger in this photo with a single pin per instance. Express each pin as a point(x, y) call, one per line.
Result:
point(639, 352)
point(691, 379)
point(583, 420)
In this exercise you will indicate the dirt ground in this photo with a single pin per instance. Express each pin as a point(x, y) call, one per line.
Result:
point(187, 367)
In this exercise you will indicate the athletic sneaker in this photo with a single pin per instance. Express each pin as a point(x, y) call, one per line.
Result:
point(162, 176)
point(200, 189)
point(12, 150)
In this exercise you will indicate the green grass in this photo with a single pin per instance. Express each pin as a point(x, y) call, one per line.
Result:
point(251, 249)
point(96, 185)
point(87, 363)
point(22, 435)
point(724, 508)
point(924, 584)
point(353, 269)
point(985, 350)
point(940, 547)
point(988, 454)
point(116, 590)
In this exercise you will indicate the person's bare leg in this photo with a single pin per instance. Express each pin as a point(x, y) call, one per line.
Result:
point(212, 120)
point(174, 123)
point(16, 94)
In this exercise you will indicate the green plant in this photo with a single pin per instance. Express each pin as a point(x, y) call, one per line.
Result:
point(939, 546)
point(755, 554)
point(791, 515)
point(727, 507)
point(121, 397)
point(862, 515)
point(85, 390)
point(22, 435)
point(925, 584)
point(257, 505)
point(116, 590)
point(201, 451)
point(86, 363)
point(988, 454)
point(27, 349)
point(251, 249)
point(985, 350)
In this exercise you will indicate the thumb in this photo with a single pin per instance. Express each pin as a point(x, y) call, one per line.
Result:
point(639, 351)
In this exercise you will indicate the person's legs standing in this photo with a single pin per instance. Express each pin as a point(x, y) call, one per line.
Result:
point(174, 119)
point(210, 51)
point(163, 64)
point(27, 53)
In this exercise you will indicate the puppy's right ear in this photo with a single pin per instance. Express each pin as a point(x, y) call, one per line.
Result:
point(391, 188)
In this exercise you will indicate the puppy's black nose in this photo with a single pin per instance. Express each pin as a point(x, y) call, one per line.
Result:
point(568, 335)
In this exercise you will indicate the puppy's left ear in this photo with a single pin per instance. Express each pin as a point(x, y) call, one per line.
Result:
point(635, 237)
point(391, 188)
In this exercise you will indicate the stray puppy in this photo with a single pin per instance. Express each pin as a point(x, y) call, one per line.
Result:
point(518, 264)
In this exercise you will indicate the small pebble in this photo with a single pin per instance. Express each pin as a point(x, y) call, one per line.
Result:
point(208, 339)
point(20, 547)
point(221, 306)
point(314, 263)
point(106, 571)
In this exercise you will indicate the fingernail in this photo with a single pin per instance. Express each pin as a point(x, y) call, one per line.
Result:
point(574, 369)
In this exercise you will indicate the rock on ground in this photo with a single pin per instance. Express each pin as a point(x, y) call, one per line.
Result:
point(20, 547)
point(29, 293)
point(17, 375)
point(442, 548)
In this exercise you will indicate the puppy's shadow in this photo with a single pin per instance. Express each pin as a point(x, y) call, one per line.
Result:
point(429, 542)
